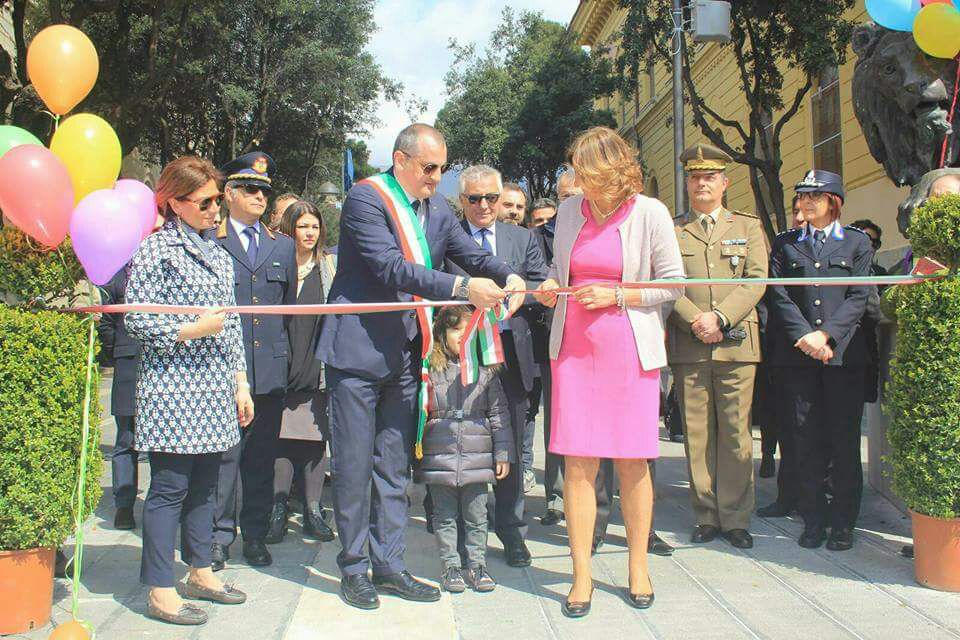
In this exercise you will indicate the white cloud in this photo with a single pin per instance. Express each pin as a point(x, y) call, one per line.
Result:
point(411, 47)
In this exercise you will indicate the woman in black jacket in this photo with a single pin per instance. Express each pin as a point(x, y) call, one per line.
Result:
point(303, 428)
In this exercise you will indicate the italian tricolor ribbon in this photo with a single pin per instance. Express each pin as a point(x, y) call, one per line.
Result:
point(413, 244)
point(481, 342)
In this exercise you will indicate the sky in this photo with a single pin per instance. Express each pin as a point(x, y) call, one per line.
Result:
point(411, 47)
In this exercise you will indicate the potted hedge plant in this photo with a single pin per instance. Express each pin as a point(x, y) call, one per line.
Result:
point(43, 358)
point(925, 397)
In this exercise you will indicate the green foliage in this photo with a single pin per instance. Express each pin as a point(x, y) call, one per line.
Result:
point(925, 372)
point(43, 359)
point(519, 105)
point(935, 230)
point(808, 35)
point(331, 221)
point(32, 275)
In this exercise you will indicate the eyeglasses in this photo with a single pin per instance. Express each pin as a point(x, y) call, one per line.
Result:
point(810, 195)
point(206, 203)
point(491, 198)
point(428, 168)
point(252, 189)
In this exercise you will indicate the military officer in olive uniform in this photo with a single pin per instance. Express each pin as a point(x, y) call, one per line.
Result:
point(713, 348)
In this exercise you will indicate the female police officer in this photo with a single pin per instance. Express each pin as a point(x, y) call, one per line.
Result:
point(821, 355)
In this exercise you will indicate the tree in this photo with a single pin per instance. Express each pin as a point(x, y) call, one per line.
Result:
point(808, 35)
point(519, 105)
point(217, 79)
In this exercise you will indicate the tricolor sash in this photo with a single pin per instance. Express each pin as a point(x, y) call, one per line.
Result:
point(481, 342)
point(413, 244)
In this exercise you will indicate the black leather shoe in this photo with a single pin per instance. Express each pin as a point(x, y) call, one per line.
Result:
point(553, 517)
point(841, 539)
point(704, 533)
point(315, 527)
point(740, 538)
point(776, 509)
point(597, 543)
point(577, 609)
point(640, 600)
point(907, 551)
point(405, 586)
point(517, 555)
point(658, 546)
point(811, 538)
point(768, 468)
point(219, 554)
point(123, 519)
point(277, 526)
point(357, 591)
point(256, 554)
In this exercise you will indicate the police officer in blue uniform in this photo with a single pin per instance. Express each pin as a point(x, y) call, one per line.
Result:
point(265, 273)
point(821, 356)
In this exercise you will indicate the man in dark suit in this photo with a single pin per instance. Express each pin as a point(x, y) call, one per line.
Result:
point(265, 272)
point(480, 188)
point(121, 351)
point(393, 231)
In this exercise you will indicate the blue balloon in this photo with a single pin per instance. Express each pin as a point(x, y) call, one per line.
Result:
point(894, 14)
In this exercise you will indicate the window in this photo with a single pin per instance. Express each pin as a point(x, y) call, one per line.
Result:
point(651, 81)
point(827, 139)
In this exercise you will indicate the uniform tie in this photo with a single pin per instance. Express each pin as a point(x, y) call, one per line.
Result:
point(707, 222)
point(818, 239)
point(484, 242)
point(251, 234)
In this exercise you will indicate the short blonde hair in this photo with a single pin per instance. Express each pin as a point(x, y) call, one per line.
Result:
point(605, 163)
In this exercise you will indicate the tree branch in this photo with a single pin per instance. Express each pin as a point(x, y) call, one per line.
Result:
point(698, 104)
point(794, 108)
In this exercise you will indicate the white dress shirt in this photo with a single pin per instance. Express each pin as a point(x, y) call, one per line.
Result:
point(491, 237)
point(239, 227)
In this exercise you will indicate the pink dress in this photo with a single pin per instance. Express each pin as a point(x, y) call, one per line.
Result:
point(604, 404)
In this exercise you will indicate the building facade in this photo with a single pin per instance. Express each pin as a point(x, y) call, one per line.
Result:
point(823, 134)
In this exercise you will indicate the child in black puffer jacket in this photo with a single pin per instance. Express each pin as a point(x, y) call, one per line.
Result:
point(467, 444)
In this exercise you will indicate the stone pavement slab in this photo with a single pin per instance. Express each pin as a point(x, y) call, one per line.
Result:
point(774, 591)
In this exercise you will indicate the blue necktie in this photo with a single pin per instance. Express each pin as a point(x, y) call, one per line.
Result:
point(251, 234)
point(484, 242)
point(818, 239)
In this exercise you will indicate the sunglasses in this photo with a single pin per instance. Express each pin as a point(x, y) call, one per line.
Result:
point(252, 189)
point(206, 203)
point(491, 198)
point(429, 168)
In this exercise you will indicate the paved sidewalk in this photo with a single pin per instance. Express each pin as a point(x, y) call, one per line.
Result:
point(776, 590)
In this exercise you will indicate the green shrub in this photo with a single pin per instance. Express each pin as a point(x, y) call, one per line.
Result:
point(33, 275)
point(924, 389)
point(43, 358)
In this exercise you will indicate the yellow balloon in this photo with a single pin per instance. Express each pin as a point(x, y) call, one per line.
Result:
point(90, 150)
point(937, 30)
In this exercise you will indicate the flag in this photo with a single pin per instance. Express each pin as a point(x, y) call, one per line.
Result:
point(347, 169)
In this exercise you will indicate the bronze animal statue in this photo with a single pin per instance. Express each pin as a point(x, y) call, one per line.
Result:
point(901, 98)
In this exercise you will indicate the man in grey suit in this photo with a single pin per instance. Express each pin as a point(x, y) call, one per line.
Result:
point(480, 188)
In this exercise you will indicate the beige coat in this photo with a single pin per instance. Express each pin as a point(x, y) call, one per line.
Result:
point(735, 249)
point(650, 251)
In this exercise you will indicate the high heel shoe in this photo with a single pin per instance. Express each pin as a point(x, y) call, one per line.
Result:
point(641, 600)
point(577, 609)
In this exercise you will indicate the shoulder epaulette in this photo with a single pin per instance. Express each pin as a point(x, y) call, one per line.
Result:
point(745, 214)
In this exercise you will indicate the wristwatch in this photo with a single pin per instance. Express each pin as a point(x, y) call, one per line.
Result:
point(462, 292)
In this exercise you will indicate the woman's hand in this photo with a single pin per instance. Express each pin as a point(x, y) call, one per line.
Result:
point(244, 405)
point(503, 470)
point(210, 323)
point(814, 344)
point(596, 297)
point(543, 294)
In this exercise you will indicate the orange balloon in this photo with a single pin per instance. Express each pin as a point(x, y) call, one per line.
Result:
point(72, 630)
point(63, 65)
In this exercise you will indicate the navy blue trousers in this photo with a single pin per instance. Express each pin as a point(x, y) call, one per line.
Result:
point(180, 497)
point(123, 463)
point(372, 432)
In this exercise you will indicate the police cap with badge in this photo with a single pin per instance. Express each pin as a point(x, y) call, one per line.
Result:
point(820, 181)
point(250, 169)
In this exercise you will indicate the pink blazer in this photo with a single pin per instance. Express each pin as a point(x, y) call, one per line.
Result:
point(650, 251)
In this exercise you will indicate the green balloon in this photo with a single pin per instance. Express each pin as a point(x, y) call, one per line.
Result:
point(11, 137)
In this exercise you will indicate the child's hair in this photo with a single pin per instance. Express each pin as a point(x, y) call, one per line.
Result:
point(445, 318)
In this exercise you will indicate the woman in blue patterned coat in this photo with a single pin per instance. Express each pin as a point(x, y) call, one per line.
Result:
point(192, 390)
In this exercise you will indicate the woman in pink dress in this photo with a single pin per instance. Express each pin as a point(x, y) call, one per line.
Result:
point(607, 348)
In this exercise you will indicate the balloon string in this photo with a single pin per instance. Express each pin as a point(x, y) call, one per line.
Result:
point(82, 480)
point(953, 110)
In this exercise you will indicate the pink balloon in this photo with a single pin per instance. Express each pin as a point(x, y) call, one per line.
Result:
point(143, 200)
point(103, 238)
point(36, 193)
point(924, 3)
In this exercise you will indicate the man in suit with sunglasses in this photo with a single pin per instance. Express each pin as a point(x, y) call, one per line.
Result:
point(265, 273)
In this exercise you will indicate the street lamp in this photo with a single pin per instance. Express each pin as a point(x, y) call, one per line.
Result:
point(328, 192)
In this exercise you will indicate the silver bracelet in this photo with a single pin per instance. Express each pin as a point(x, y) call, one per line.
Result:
point(621, 302)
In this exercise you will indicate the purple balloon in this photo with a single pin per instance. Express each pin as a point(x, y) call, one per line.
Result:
point(102, 236)
point(143, 200)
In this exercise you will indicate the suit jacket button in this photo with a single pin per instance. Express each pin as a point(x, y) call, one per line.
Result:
point(710, 265)
point(254, 277)
point(413, 314)
point(256, 321)
point(817, 265)
point(256, 343)
point(256, 299)
point(818, 322)
point(816, 303)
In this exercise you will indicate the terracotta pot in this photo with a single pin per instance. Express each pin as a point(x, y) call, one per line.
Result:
point(936, 543)
point(26, 589)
